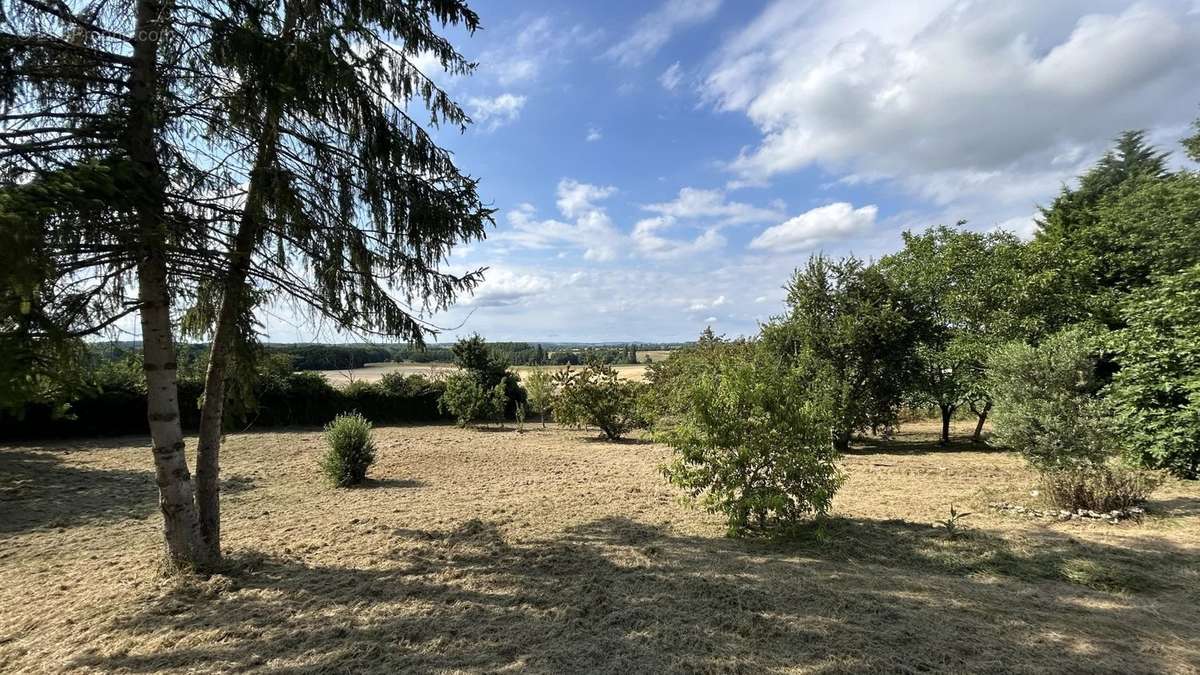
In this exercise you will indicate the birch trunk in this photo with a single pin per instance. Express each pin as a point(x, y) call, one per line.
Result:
point(175, 489)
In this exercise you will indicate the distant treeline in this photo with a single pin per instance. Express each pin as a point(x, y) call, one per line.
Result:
point(113, 402)
point(351, 356)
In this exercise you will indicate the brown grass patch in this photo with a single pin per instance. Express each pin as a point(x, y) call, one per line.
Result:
point(550, 552)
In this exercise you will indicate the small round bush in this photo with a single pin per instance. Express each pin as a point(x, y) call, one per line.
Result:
point(351, 450)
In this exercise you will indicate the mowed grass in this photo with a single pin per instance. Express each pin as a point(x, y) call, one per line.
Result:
point(372, 372)
point(551, 551)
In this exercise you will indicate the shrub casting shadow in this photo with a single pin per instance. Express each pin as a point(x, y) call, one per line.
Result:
point(617, 595)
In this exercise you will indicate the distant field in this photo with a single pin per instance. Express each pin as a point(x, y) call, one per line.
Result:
point(373, 371)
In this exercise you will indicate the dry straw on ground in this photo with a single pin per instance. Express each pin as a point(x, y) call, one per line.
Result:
point(550, 551)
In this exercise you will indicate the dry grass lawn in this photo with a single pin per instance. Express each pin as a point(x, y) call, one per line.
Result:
point(549, 551)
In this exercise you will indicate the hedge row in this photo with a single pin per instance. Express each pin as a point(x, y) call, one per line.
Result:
point(297, 399)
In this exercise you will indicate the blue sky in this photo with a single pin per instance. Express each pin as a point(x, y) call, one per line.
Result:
point(661, 166)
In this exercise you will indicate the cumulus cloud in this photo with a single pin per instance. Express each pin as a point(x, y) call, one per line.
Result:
point(694, 203)
point(649, 243)
point(671, 77)
point(589, 227)
point(576, 199)
point(493, 113)
point(593, 135)
point(826, 223)
point(949, 99)
point(653, 30)
point(502, 287)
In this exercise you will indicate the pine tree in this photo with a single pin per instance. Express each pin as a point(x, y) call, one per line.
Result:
point(227, 154)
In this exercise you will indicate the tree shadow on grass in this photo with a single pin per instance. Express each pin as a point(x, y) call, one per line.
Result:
point(624, 440)
point(1175, 507)
point(908, 445)
point(616, 595)
point(40, 489)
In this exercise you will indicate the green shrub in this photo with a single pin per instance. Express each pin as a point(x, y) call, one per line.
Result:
point(539, 392)
point(497, 402)
point(596, 397)
point(1046, 403)
point(1103, 488)
point(465, 398)
point(351, 450)
point(754, 440)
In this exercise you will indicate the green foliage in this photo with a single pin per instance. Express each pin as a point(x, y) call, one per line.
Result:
point(497, 403)
point(1129, 222)
point(597, 397)
point(539, 392)
point(351, 450)
point(752, 438)
point(849, 324)
point(951, 522)
point(1047, 407)
point(1102, 488)
point(474, 355)
point(466, 398)
point(113, 401)
point(1156, 389)
point(970, 291)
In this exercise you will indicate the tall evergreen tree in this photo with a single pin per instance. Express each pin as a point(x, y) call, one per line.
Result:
point(227, 154)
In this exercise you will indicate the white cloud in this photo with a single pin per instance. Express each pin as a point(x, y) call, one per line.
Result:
point(826, 223)
point(593, 135)
point(576, 199)
point(711, 319)
point(953, 100)
point(591, 228)
point(502, 287)
point(493, 113)
point(653, 30)
point(701, 305)
point(671, 77)
point(650, 244)
point(537, 45)
point(694, 203)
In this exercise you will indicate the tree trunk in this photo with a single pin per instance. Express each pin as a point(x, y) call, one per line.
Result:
point(947, 413)
point(977, 437)
point(233, 305)
point(234, 296)
point(841, 441)
point(175, 490)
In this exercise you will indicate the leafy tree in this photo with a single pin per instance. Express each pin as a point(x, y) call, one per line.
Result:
point(1129, 220)
point(1047, 402)
point(539, 389)
point(497, 403)
point(597, 397)
point(326, 193)
point(1191, 144)
point(970, 292)
point(753, 439)
point(848, 323)
point(1156, 390)
point(466, 398)
point(474, 355)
